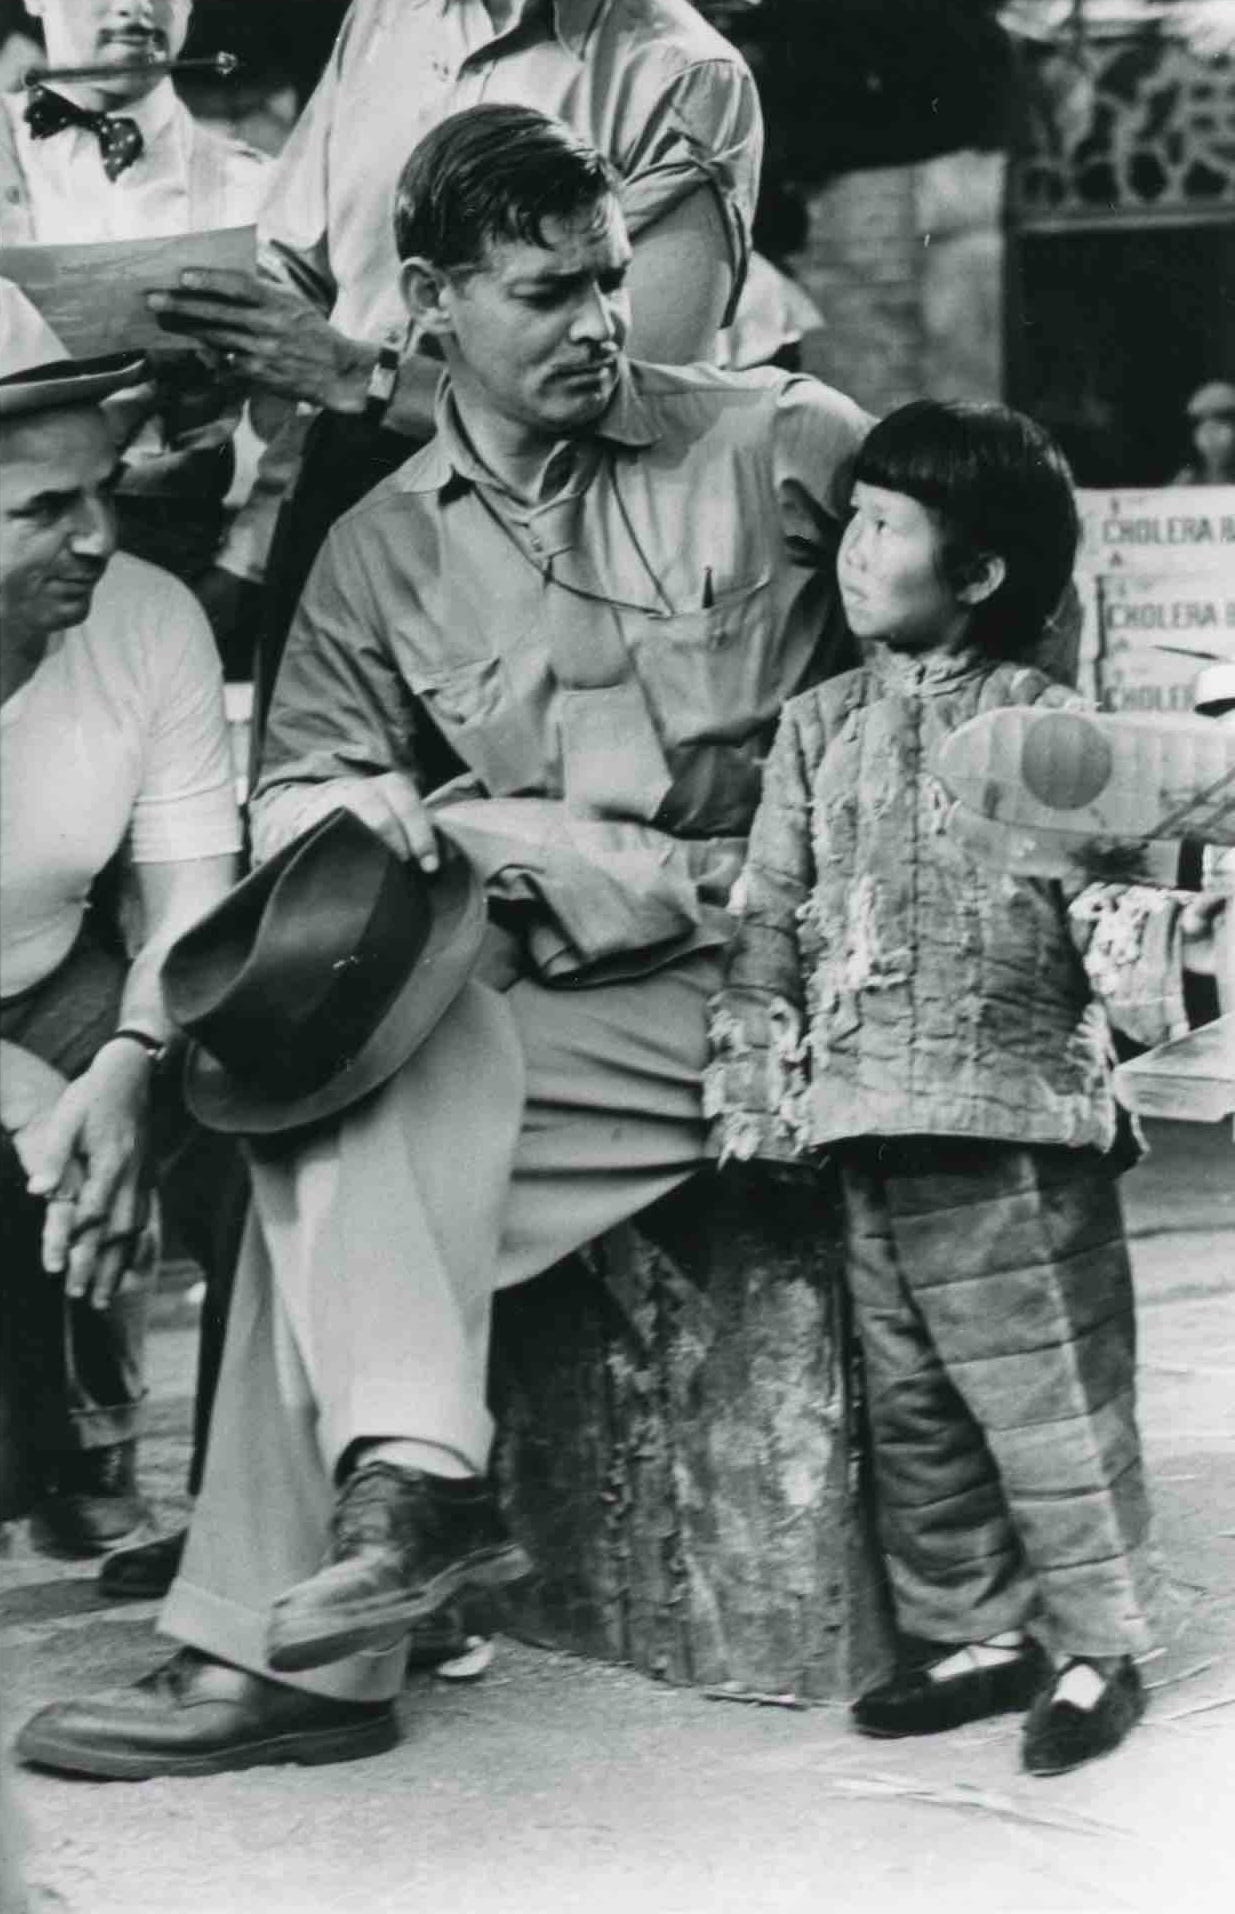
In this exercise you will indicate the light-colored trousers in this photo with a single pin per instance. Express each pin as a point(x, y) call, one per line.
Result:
point(531, 1121)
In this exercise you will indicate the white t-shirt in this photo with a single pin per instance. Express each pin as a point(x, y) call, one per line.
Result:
point(119, 735)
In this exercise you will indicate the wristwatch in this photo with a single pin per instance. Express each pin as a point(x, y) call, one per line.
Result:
point(382, 382)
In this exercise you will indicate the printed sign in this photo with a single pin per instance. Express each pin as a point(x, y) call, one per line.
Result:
point(1157, 580)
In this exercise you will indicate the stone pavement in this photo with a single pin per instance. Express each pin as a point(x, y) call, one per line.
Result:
point(556, 1786)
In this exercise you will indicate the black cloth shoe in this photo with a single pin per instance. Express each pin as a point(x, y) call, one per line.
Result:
point(403, 1544)
point(197, 1716)
point(144, 1572)
point(1060, 1736)
point(92, 1505)
point(914, 1703)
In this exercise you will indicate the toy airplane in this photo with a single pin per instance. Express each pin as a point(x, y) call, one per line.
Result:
point(1074, 794)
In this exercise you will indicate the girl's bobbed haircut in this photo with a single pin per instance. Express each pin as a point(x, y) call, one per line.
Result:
point(998, 485)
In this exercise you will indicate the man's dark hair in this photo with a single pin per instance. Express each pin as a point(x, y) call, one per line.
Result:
point(493, 173)
point(999, 485)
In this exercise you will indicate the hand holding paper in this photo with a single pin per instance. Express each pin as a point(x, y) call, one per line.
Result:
point(272, 338)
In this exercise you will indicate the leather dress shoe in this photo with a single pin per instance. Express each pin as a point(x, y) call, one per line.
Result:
point(195, 1716)
point(1059, 1736)
point(914, 1702)
point(91, 1505)
point(403, 1544)
point(144, 1572)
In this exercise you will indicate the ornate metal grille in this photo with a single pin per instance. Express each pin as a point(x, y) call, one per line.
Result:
point(1142, 132)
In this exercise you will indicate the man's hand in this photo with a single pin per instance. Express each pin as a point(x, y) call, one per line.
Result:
point(393, 807)
point(272, 339)
point(1198, 929)
point(87, 1155)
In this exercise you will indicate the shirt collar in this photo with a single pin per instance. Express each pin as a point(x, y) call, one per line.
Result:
point(152, 114)
point(448, 454)
point(901, 671)
point(574, 20)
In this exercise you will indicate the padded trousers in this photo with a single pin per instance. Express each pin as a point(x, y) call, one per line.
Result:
point(992, 1295)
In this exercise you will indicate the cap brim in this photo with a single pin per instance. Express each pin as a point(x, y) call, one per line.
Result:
point(69, 382)
point(221, 1101)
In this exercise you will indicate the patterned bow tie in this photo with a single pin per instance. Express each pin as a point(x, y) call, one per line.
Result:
point(120, 139)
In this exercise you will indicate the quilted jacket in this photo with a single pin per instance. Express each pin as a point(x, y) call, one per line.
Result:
point(883, 983)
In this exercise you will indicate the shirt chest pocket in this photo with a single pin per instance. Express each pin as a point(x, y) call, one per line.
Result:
point(707, 671)
point(496, 729)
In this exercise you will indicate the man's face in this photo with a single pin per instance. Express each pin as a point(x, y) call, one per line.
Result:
point(119, 33)
point(536, 333)
point(57, 525)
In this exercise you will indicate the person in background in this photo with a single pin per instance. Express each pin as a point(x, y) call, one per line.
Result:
point(122, 158)
point(940, 1029)
point(112, 743)
point(1211, 422)
point(668, 101)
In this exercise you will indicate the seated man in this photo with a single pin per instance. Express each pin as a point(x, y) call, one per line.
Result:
point(113, 739)
point(597, 584)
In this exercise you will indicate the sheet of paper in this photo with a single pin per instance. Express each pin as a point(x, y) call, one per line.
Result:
point(94, 296)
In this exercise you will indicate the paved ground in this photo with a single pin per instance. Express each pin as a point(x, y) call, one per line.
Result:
point(555, 1786)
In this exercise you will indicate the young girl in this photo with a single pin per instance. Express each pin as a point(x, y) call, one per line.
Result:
point(942, 1029)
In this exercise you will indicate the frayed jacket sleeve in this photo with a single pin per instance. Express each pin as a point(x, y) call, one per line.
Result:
point(755, 1085)
point(1129, 941)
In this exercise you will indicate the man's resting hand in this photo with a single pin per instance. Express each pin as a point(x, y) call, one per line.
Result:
point(393, 807)
point(86, 1153)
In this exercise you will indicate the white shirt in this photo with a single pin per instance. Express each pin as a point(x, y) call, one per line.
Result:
point(118, 736)
point(72, 199)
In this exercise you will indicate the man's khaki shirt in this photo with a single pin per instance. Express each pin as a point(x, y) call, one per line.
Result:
point(626, 645)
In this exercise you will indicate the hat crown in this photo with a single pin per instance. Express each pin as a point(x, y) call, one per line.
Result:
point(283, 982)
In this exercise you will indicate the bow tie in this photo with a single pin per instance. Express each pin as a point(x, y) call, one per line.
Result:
point(120, 139)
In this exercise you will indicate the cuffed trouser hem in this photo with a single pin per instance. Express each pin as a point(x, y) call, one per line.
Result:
point(229, 1632)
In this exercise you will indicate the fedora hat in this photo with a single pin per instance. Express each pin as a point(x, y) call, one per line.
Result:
point(45, 388)
point(318, 976)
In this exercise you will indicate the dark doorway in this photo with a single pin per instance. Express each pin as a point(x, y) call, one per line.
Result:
point(1109, 333)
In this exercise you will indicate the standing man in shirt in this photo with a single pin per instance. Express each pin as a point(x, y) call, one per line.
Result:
point(669, 103)
point(599, 582)
point(122, 158)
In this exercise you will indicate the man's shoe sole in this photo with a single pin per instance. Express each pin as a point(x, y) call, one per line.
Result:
point(370, 1627)
point(308, 1747)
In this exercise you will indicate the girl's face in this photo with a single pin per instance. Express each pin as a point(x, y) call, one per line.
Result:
point(891, 576)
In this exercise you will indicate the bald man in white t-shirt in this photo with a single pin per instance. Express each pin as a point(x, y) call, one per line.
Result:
point(112, 742)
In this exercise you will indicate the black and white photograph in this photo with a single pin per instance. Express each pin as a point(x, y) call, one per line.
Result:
point(617, 956)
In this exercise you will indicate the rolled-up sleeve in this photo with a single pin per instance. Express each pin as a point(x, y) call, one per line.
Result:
point(341, 709)
point(704, 129)
point(186, 804)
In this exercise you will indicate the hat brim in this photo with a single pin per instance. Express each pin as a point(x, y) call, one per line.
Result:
point(66, 382)
point(222, 1101)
